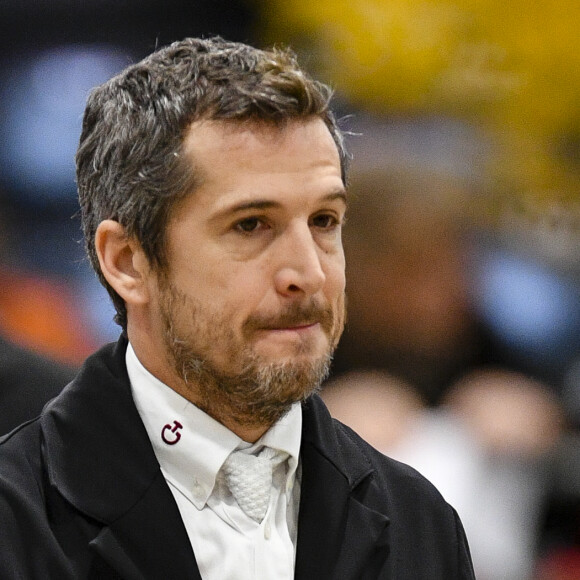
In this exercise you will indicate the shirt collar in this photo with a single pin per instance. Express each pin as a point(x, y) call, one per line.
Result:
point(190, 445)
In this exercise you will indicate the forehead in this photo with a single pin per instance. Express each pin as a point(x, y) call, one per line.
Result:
point(244, 164)
point(209, 144)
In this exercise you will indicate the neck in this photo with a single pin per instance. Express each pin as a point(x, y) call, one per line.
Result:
point(247, 429)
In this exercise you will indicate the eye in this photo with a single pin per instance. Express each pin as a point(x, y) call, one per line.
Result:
point(324, 221)
point(248, 225)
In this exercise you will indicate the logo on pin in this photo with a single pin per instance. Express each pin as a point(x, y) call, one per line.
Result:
point(170, 433)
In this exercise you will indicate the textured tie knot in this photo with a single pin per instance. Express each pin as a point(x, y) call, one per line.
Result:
point(249, 479)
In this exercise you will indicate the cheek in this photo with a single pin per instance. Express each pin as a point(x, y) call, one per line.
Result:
point(236, 293)
point(335, 277)
point(207, 276)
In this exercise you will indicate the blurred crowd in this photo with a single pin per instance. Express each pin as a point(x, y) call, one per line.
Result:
point(461, 354)
point(461, 349)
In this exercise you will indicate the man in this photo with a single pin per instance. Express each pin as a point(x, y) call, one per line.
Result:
point(211, 181)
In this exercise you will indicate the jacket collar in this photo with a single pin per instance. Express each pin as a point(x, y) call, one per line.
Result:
point(93, 433)
point(99, 458)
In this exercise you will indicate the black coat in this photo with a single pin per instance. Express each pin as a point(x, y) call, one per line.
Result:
point(82, 496)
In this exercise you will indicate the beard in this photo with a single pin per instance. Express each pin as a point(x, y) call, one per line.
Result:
point(249, 391)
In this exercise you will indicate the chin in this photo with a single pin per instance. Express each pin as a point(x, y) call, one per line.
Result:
point(304, 351)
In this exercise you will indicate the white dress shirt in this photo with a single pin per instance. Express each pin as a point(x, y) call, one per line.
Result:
point(191, 448)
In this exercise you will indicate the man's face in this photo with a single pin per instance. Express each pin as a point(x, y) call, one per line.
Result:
point(252, 306)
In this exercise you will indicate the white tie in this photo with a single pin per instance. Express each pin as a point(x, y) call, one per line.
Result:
point(249, 478)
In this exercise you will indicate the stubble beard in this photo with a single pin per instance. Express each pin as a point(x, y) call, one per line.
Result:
point(254, 393)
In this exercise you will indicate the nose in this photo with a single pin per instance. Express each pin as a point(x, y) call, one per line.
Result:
point(299, 268)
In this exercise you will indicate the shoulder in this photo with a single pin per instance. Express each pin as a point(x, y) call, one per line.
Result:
point(20, 457)
point(400, 486)
point(21, 485)
point(418, 513)
point(402, 480)
point(426, 534)
point(38, 528)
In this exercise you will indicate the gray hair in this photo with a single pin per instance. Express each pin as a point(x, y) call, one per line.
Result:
point(129, 163)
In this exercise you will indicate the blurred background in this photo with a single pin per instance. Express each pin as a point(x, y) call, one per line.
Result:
point(462, 350)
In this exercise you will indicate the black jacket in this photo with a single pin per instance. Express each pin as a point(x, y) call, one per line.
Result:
point(82, 496)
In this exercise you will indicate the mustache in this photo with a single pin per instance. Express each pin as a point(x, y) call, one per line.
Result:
point(295, 315)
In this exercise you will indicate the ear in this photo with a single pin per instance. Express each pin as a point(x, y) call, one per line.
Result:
point(123, 262)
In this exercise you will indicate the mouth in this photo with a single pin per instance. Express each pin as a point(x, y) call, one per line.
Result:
point(303, 339)
point(301, 329)
point(293, 326)
point(297, 321)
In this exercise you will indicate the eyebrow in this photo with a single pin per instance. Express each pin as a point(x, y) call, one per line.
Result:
point(261, 204)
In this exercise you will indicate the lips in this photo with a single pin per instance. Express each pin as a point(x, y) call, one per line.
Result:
point(292, 326)
point(296, 317)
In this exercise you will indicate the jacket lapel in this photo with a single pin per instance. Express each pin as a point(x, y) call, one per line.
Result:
point(341, 535)
point(149, 541)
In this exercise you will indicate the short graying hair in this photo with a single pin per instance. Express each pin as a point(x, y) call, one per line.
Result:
point(129, 162)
